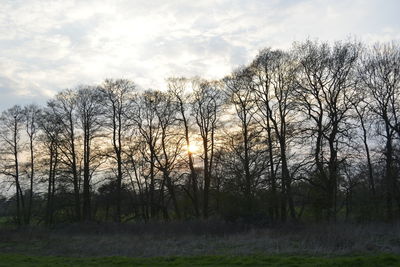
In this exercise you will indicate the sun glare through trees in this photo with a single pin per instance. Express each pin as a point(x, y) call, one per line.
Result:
point(192, 148)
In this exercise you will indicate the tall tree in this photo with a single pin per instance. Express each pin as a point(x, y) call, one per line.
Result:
point(361, 108)
point(117, 100)
point(169, 146)
point(380, 75)
point(177, 87)
point(88, 111)
point(207, 103)
point(274, 75)
point(145, 119)
point(64, 106)
point(51, 128)
point(31, 116)
point(12, 121)
point(239, 88)
point(324, 91)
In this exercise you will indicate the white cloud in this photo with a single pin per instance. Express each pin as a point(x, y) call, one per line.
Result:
point(50, 45)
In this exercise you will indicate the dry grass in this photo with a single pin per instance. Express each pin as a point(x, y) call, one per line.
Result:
point(201, 238)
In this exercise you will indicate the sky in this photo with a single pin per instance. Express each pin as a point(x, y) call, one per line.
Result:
point(47, 46)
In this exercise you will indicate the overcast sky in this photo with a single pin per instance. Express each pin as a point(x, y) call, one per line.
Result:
point(46, 46)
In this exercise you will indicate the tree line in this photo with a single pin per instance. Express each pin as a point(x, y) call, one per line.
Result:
point(309, 133)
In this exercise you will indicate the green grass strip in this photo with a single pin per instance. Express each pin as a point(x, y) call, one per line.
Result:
point(255, 260)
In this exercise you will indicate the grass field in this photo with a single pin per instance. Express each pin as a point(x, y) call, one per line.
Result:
point(200, 244)
point(195, 239)
point(256, 260)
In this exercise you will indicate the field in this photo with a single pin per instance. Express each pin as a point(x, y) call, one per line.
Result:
point(201, 244)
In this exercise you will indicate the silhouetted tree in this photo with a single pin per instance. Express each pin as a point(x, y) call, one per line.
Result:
point(12, 121)
point(64, 106)
point(324, 92)
point(116, 98)
point(177, 87)
point(239, 88)
point(207, 103)
point(380, 76)
point(89, 110)
point(275, 76)
point(31, 117)
point(51, 128)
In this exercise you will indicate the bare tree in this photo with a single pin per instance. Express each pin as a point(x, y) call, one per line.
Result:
point(274, 75)
point(169, 146)
point(177, 87)
point(12, 121)
point(51, 128)
point(31, 116)
point(64, 106)
point(380, 75)
point(324, 92)
point(239, 88)
point(88, 111)
point(361, 108)
point(116, 97)
point(206, 105)
point(145, 119)
point(156, 117)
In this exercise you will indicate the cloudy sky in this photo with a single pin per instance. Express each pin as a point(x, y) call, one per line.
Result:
point(46, 46)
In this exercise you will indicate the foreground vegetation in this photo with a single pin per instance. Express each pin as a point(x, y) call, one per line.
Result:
point(255, 260)
point(188, 239)
point(200, 243)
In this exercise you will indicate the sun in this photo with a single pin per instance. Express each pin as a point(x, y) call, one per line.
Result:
point(192, 148)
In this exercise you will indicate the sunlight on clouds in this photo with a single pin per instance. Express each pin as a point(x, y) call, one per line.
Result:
point(137, 30)
point(23, 92)
point(218, 69)
point(388, 34)
point(47, 92)
point(56, 44)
